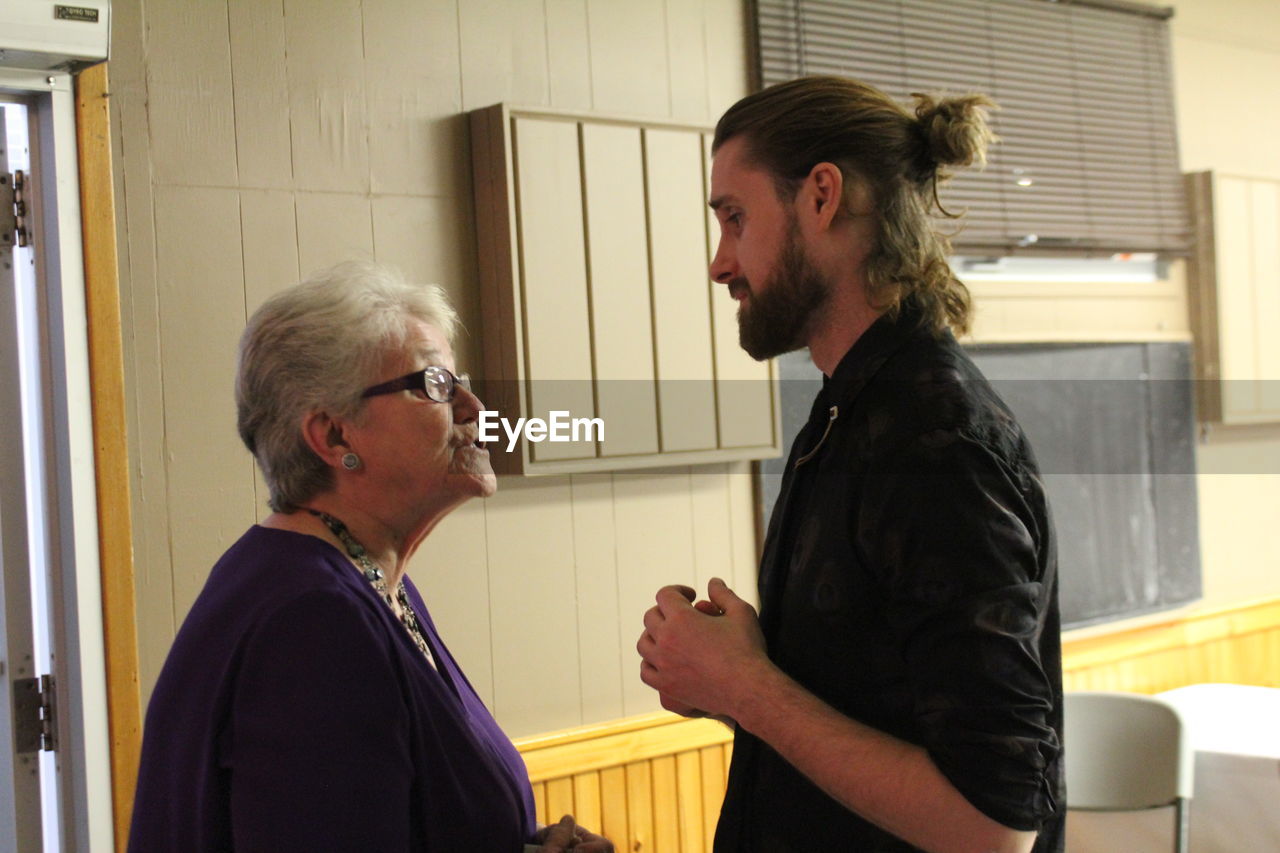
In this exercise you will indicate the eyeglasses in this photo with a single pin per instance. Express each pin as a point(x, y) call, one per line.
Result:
point(437, 382)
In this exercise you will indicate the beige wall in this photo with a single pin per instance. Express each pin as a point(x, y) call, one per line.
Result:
point(256, 141)
point(1226, 80)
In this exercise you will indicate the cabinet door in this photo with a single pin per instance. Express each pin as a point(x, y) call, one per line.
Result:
point(681, 308)
point(593, 239)
point(1247, 242)
point(557, 330)
point(618, 268)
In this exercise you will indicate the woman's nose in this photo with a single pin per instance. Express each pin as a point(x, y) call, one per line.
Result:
point(466, 405)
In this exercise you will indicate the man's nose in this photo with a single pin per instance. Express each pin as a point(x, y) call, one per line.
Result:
point(723, 266)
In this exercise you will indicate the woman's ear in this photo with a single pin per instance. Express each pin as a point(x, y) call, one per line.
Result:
point(324, 435)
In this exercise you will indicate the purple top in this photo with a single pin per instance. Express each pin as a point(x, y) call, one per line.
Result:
point(294, 712)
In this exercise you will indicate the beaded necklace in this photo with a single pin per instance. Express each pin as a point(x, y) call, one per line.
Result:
point(374, 575)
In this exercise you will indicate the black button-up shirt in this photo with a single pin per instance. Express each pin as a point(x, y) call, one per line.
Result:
point(909, 580)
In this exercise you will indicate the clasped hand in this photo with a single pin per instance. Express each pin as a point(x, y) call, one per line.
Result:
point(567, 835)
point(700, 655)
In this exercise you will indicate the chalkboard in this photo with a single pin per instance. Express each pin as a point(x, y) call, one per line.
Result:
point(1113, 428)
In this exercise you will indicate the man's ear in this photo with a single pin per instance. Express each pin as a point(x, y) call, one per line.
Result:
point(325, 436)
point(823, 194)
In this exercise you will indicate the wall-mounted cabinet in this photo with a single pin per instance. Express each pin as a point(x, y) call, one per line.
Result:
point(594, 240)
point(1234, 284)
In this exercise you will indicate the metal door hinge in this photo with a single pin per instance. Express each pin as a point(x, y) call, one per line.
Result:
point(36, 713)
point(13, 209)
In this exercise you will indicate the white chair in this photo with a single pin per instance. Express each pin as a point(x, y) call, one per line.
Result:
point(1126, 752)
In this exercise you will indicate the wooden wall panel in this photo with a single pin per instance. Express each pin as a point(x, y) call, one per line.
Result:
point(655, 548)
point(727, 59)
point(269, 241)
point(682, 318)
point(504, 52)
point(640, 817)
point(408, 232)
point(745, 543)
point(332, 227)
point(630, 76)
point(686, 60)
point(327, 103)
point(140, 321)
point(414, 97)
point(586, 798)
point(452, 572)
point(603, 651)
point(568, 55)
point(618, 270)
point(666, 801)
point(200, 272)
point(529, 538)
point(264, 156)
point(689, 813)
point(709, 509)
point(189, 95)
point(614, 811)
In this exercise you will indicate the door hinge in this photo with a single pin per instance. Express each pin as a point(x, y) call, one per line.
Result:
point(36, 714)
point(13, 209)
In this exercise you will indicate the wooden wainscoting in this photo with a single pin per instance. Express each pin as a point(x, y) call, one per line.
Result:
point(650, 783)
point(654, 782)
point(1235, 645)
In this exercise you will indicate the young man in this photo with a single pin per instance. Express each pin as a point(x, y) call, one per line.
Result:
point(901, 688)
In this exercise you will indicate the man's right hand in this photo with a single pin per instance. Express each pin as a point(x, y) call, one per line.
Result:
point(699, 655)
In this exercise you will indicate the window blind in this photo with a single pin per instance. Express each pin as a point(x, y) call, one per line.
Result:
point(1088, 160)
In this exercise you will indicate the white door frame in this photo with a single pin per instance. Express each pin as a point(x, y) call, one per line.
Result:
point(84, 770)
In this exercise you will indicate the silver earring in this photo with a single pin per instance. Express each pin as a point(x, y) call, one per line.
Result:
point(350, 461)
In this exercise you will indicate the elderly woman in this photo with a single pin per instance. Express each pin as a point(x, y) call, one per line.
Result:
point(308, 703)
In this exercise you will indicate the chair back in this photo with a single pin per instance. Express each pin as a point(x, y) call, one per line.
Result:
point(1125, 751)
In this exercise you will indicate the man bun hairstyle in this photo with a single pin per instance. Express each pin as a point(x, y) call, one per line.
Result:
point(900, 157)
point(955, 130)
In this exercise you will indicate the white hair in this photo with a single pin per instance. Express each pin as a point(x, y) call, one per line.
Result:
point(317, 346)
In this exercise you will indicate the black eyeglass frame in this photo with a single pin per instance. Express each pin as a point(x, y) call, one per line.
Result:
point(418, 381)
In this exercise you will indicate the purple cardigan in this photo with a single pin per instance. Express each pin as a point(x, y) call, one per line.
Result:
point(295, 713)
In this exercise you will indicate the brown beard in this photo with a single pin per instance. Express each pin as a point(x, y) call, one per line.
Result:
point(777, 318)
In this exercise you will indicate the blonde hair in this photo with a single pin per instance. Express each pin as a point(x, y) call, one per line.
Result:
point(318, 345)
point(899, 156)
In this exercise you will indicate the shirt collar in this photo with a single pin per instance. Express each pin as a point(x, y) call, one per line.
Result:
point(869, 353)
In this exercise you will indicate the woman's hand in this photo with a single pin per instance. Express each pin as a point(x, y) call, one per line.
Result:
point(567, 835)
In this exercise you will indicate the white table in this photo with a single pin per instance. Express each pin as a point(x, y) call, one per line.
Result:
point(1235, 731)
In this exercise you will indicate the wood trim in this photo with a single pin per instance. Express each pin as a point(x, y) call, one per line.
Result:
point(1202, 296)
point(106, 372)
point(616, 743)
